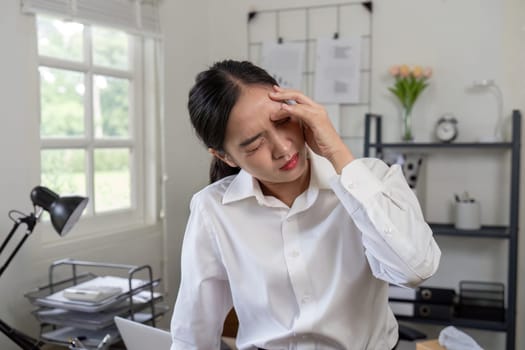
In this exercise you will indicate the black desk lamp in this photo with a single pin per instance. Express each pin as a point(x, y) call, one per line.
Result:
point(64, 212)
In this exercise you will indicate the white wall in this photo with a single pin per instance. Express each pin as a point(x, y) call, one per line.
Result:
point(461, 41)
point(185, 26)
point(19, 168)
point(18, 151)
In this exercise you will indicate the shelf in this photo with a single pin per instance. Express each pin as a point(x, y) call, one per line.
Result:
point(501, 232)
point(504, 145)
point(373, 129)
point(459, 322)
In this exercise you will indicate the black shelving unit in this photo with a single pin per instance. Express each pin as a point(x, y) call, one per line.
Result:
point(509, 232)
point(460, 322)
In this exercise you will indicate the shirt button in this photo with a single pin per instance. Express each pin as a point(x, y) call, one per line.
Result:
point(350, 185)
point(388, 231)
point(305, 299)
point(295, 254)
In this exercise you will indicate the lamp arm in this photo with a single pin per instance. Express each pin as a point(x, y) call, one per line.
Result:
point(9, 236)
point(30, 220)
point(67, 210)
point(22, 340)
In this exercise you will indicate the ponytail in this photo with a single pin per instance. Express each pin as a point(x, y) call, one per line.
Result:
point(219, 170)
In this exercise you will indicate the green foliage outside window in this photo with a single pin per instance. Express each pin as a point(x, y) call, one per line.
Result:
point(112, 107)
point(64, 171)
point(62, 102)
point(110, 48)
point(60, 39)
point(112, 179)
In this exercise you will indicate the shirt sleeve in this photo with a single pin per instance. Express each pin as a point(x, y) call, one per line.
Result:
point(398, 242)
point(204, 296)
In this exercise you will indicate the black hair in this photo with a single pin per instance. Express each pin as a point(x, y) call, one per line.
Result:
point(211, 100)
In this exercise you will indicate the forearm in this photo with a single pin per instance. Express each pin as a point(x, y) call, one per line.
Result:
point(340, 158)
point(398, 242)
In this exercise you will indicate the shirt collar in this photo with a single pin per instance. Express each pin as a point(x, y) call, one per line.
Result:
point(322, 171)
point(244, 185)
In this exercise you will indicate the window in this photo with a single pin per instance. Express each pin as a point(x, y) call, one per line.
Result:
point(92, 117)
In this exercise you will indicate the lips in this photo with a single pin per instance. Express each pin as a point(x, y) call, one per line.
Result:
point(292, 163)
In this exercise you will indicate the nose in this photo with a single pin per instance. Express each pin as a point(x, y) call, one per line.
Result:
point(281, 145)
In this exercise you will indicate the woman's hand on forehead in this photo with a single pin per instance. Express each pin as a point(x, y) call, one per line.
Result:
point(319, 132)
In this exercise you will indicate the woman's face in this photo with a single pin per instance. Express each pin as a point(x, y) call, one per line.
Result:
point(264, 142)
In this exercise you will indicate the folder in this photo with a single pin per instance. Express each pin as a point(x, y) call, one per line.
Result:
point(423, 294)
point(422, 310)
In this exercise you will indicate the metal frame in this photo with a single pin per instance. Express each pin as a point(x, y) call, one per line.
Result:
point(509, 232)
point(308, 39)
point(131, 271)
point(76, 274)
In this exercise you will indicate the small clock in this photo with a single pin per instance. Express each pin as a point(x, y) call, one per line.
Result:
point(447, 128)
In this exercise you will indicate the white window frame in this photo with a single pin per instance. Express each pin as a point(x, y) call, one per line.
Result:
point(142, 140)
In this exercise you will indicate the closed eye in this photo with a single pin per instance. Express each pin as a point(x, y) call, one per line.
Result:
point(254, 149)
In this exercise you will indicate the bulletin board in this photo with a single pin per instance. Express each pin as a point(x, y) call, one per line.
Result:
point(306, 25)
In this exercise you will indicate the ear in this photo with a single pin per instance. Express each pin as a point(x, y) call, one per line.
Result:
point(223, 156)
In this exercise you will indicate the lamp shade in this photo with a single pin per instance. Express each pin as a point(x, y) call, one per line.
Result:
point(64, 211)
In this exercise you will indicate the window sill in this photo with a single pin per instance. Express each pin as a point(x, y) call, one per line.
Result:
point(120, 233)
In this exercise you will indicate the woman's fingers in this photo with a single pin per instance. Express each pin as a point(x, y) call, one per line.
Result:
point(302, 107)
point(280, 94)
point(314, 118)
point(319, 132)
point(306, 110)
point(306, 113)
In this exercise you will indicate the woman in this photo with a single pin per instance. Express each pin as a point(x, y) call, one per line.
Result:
point(301, 238)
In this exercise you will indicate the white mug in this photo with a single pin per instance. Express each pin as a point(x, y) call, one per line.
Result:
point(468, 215)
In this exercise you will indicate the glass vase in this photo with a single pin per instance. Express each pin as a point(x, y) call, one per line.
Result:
point(407, 134)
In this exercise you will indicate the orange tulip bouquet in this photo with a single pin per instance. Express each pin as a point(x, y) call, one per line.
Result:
point(408, 85)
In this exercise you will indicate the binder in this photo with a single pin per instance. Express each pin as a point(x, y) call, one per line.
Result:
point(422, 310)
point(431, 295)
point(482, 300)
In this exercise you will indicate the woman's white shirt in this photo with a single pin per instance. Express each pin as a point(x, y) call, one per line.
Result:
point(313, 276)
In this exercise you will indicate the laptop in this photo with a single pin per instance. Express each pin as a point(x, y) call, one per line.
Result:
point(138, 336)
